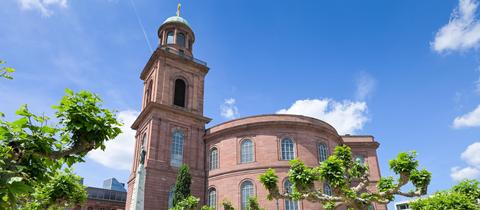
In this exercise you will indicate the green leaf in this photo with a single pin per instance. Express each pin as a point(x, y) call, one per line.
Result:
point(23, 111)
point(9, 70)
point(20, 123)
point(20, 187)
point(68, 91)
point(14, 179)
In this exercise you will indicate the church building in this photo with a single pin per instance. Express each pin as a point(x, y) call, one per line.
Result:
point(225, 160)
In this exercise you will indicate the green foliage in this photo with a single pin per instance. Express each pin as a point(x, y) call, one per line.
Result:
point(471, 188)
point(406, 166)
point(421, 179)
point(84, 122)
point(445, 201)
point(404, 163)
point(62, 191)
point(269, 180)
point(385, 184)
point(207, 208)
point(6, 72)
point(33, 151)
point(301, 177)
point(349, 181)
point(333, 171)
point(227, 205)
point(329, 205)
point(253, 204)
point(182, 185)
point(464, 195)
point(188, 203)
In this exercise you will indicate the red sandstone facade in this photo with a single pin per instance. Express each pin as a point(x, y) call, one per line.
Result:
point(172, 113)
point(267, 132)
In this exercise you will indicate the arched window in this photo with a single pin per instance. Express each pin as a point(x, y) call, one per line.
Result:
point(148, 93)
point(212, 198)
point(170, 37)
point(176, 152)
point(181, 39)
point(214, 158)
point(289, 204)
point(179, 94)
point(246, 191)
point(327, 190)
point(288, 152)
point(246, 151)
point(171, 193)
point(322, 152)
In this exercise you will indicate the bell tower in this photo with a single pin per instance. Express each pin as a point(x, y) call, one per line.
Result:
point(171, 125)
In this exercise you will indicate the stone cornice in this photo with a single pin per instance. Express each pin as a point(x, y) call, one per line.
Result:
point(152, 106)
point(251, 170)
point(373, 144)
point(159, 51)
point(294, 121)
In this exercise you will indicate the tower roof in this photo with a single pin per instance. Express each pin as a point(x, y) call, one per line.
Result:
point(176, 19)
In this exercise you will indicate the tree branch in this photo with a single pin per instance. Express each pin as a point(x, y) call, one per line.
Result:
point(364, 181)
point(75, 149)
point(410, 194)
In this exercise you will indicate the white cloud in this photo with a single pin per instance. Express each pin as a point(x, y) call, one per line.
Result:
point(365, 86)
point(472, 154)
point(118, 153)
point(228, 109)
point(462, 31)
point(346, 116)
point(42, 5)
point(471, 119)
point(472, 157)
point(458, 174)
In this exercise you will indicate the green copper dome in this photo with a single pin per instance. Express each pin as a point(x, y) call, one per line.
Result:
point(176, 19)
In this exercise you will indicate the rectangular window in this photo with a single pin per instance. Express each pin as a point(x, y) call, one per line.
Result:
point(288, 152)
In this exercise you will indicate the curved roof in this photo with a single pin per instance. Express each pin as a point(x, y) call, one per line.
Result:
point(176, 19)
point(271, 119)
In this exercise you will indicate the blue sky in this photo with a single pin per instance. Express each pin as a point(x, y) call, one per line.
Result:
point(405, 71)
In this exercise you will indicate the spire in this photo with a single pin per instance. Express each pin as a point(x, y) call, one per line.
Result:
point(178, 9)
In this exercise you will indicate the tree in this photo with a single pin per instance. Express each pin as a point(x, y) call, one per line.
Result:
point(182, 185)
point(252, 204)
point(348, 180)
point(6, 72)
point(34, 150)
point(63, 190)
point(207, 208)
point(190, 203)
point(227, 205)
point(465, 195)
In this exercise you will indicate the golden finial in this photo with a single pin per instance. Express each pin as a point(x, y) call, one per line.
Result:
point(178, 9)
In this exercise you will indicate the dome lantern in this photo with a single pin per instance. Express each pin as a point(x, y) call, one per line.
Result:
point(175, 34)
